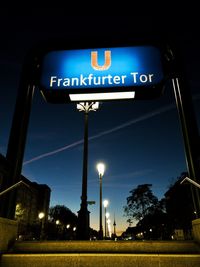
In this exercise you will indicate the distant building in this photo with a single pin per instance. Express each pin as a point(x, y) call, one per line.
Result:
point(180, 208)
point(31, 199)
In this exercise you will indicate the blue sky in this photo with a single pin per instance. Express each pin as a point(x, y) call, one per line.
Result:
point(140, 142)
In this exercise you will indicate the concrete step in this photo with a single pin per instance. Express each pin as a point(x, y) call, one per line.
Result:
point(102, 254)
point(105, 246)
point(99, 260)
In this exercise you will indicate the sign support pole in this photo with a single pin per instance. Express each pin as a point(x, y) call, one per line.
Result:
point(190, 136)
point(17, 139)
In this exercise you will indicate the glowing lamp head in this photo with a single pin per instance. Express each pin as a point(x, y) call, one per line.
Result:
point(41, 215)
point(105, 203)
point(101, 168)
point(107, 215)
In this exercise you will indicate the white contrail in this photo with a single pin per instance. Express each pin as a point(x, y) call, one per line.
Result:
point(53, 152)
point(119, 127)
point(128, 123)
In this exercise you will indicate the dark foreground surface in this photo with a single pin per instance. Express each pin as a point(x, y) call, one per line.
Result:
point(102, 254)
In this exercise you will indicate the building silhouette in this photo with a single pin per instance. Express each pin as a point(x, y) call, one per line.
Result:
point(31, 199)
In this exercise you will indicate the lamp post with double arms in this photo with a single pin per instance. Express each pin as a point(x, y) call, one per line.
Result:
point(83, 226)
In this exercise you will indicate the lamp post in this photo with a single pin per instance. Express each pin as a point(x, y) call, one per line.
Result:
point(41, 216)
point(106, 223)
point(57, 229)
point(109, 227)
point(100, 169)
point(105, 204)
point(83, 225)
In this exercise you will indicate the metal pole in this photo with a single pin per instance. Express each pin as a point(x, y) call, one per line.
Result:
point(12, 187)
point(83, 226)
point(18, 133)
point(190, 136)
point(100, 210)
point(83, 213)
point(105, 224)
point(191, 181)
point(42, 229)
point(16, 146)
point(85, 163)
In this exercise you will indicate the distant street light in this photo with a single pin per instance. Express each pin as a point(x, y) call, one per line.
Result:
point(109, 227)
point(41, 216)
point(107, 217)
point(101, 170)
point(57, 222)
point(105, 204)
point(83, 225)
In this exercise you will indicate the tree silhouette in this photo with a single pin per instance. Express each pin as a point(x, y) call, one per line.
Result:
point(62, 223)
point(140, 202)
point(159, 219)
point(63, 214)
point(144, 206)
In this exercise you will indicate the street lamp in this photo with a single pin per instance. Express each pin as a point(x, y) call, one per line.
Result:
point(83, 225)
point(57, 222)
point(41, 216)
point(105, 204)
point(57, 228)
point(106, 222)
point(101, 170)
point(109, 227)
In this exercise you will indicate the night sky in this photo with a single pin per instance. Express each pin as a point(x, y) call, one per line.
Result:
point(140, 141)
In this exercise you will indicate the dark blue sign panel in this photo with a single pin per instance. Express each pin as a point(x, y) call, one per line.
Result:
point(102, 69)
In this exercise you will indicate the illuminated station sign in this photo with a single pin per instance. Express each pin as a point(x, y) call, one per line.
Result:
point(100, 74)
